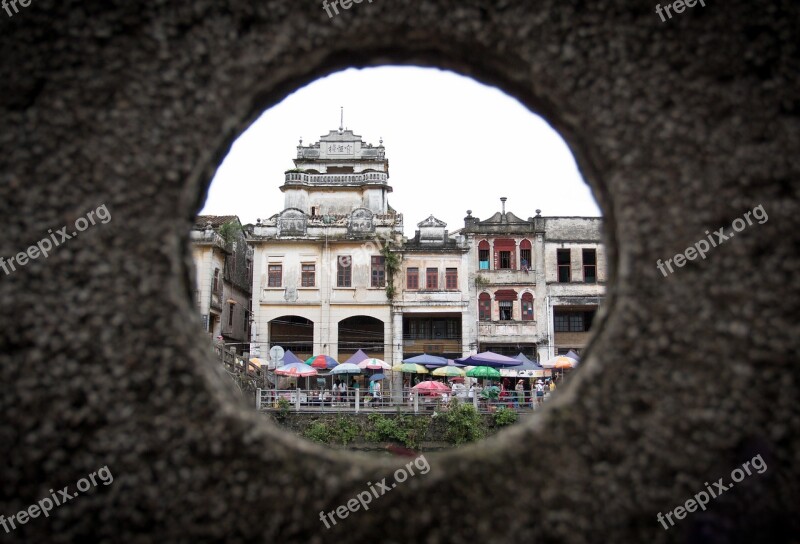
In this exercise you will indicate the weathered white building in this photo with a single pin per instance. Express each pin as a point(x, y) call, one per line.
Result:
point(334, 274)
point(320, 282)
point(535, 283)
point(223, 273)
point(431, 310)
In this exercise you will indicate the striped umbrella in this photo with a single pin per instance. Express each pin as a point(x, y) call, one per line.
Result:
point(322, 362)
point(448, 371)
point(410, 368)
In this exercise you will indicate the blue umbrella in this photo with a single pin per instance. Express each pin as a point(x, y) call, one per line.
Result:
point(357, 357)
point(289, 358)
point(526, 364)
point(572, 355)
point(488, 358)
point(376, 377)
point(427, 360)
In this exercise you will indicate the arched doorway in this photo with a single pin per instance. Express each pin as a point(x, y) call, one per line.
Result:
point(293, 332)
point(361, 332)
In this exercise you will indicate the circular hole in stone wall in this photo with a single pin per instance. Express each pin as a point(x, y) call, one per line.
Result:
point(399, 257)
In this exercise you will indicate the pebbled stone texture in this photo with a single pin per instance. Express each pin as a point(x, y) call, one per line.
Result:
point(680, 127)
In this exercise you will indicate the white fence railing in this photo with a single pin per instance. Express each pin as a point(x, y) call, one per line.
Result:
point(355, 400)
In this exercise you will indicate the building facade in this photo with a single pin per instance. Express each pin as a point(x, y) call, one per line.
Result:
point(321, 271)
point(536, 283)
point(223, 264)
point(333, 273)
point(431, 311)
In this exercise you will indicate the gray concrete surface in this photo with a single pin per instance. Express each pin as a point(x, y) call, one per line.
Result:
point(680, 127)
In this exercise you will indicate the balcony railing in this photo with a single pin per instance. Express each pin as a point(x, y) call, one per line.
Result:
point(508, 276)
point(505, 329)
point(369, 177)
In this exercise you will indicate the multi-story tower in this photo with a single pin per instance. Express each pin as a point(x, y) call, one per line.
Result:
point(320, 270)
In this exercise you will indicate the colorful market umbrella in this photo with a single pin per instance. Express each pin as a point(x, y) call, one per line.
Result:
point(565, 362)
point(346, 368)
point(560, 362)
point(374, 364)
point(448, 371)
point(484, 372)
point(427, 360)
point(488, 358)
point(322, 362)
point(429, 387)
point(290, 357)
point(357, 357)
point(410, 368)
point(572, 355)
point(296, 370)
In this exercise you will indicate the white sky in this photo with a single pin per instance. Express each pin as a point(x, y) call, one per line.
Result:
point(453, 145)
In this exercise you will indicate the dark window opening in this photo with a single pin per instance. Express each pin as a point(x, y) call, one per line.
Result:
point(573, 321)
point(506, 310)
point(215, 282)
point(564, 264)
point(505, 260)
point(590, 265)
point(525, 259)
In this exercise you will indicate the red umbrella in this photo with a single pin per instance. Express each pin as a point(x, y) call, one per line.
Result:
point(430, 387)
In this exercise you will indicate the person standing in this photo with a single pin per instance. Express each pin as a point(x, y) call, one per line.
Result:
point(539, 393)
point(376, 391)
point(520, 394)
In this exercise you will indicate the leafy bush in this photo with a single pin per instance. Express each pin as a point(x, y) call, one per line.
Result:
point(283, 406)
point(504, 416)
point(464, 424)
point(344, 431)
point(318, 432)
point(407, 430)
